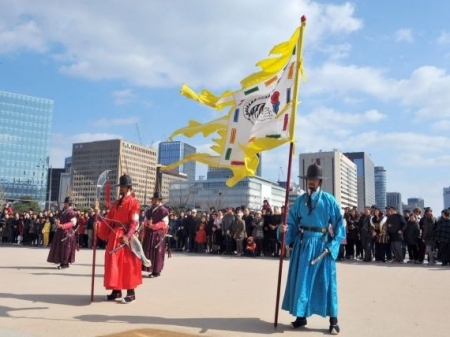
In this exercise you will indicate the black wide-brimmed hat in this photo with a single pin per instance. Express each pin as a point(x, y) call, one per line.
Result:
point(67, 200)
point(125, 180)
point(314, 171)
point(157, 195)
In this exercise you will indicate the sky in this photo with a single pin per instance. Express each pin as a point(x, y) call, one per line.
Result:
point(377, 75)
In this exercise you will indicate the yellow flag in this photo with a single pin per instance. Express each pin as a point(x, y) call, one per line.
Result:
point(261, 117)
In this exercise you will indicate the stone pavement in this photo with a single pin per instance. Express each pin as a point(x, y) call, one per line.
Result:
point(209, 296)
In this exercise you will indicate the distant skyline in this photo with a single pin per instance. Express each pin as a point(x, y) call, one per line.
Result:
point(377, 75)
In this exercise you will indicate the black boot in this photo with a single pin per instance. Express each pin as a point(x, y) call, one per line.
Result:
point(334, 327)
point(115, 294)
point(299, 322)
point(131, 297)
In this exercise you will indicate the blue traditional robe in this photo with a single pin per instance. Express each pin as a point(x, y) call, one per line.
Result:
point(312, 289)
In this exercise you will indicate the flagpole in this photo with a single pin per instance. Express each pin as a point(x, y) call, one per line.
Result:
point(291, 151)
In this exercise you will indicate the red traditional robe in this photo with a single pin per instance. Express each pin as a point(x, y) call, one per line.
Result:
point(122, 268)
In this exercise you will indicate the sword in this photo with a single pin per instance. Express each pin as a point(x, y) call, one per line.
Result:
point(162, 239)
point(320, 257)
point(119, 247)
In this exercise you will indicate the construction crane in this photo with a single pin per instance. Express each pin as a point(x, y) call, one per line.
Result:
point(139, 134)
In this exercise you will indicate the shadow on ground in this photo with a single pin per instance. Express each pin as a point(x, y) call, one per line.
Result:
point(63, 299)
point(244, 324)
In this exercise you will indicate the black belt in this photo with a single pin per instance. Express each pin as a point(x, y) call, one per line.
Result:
point(315, 229)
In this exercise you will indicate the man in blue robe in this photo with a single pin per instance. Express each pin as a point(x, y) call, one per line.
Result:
point(314, 225)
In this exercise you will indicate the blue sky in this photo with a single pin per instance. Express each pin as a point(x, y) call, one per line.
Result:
point(378, 74)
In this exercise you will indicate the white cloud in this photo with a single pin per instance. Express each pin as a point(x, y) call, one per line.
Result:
point(329, 119)
point(26, 35)
point(444, 38)
point(122, 97)
point(424, 92)
point(340, 79)
point(150, 44)
point(337, 51)
point(443, 125)
point(404, 35)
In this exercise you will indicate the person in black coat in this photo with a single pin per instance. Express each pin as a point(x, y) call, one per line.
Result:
point(396, 225)
point(411, 236)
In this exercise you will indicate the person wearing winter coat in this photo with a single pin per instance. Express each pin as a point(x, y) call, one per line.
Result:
point(411, 236)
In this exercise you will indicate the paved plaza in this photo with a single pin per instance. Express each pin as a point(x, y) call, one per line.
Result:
point(208, 296)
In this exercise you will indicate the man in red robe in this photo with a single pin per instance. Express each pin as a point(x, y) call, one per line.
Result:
point(123, 267)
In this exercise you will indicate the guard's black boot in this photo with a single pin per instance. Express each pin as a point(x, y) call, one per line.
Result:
point(131, 297)
point(115, 294)
point(299, 322)
point(334, 327)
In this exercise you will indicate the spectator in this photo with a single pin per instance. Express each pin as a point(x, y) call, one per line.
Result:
point(258, 232)
point(200, 235)
point(366, 231)
point(442, 235)
point(352, 233)
point(411, 237)
point(250, 249)
point(396, 225)
point(46, 231)
point(378, 221)
point(239, 233)
point(428, 226)
point(215, 241)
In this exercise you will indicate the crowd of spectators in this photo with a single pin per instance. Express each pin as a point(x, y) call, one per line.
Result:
point(386, 236)
point(374, 235)
point(37, 229)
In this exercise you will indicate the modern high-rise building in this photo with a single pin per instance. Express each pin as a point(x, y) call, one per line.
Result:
point(446, 197)
point(366, 178)
point(339, 172)
point(54, 176)
point(413, 203)
point(395, 199)
point(25, 129)
point(119, 156)
point(170, 152)
point(380, 187)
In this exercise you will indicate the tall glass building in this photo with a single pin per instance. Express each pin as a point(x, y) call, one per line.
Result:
point(170, 152)
point(25, 126)
point(380, 187)
point(395, 199)
point(446, 193)
point(366, 178)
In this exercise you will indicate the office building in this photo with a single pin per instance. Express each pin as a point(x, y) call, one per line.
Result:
point(170, 152)
point(119, 156)
point(339, 172)
point(413, 203)
point(365, 173)
point(54, 176)
point(25, 127)
point(380, 187)
point(207, 193)
point(395, 199)
point(446, 194)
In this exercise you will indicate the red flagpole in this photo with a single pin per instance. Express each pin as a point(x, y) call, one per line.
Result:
point(291, 151)
point(94, 251)
point(286, 210)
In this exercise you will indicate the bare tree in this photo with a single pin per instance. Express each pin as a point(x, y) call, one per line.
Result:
point(2, 195)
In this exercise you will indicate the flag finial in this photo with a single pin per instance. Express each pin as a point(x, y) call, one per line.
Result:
point(303, 19)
